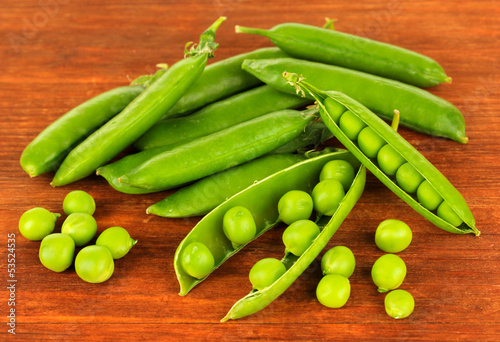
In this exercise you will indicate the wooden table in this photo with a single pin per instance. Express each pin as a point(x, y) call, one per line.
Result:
point(57, 53)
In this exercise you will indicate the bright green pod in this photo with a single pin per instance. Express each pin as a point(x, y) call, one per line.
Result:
point(437, 181)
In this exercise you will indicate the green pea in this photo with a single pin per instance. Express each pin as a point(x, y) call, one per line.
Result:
point(197, 260)
point(79, 201)
point(389, 160)
point(94, 264)
point(351, 125)
point(333, 290)
point(338, 260)
point(327, 196)
point(393, 236)
point(117, 240)
point(239, 225)
point(265, 272)
point(446, 213)
point(57, 251)
point(370, 142)
point(408, 178)
point(340, 170)
point(399, 304)
point(388, 272)
point(37, 223)
point(428, 196)
point(81, 227)
point(298, 236)
point(295, 205)
point(335, 109)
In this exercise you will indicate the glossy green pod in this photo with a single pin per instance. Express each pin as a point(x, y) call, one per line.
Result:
point(261, 198)
point(430, 173)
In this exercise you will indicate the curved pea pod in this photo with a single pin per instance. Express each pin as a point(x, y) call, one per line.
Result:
point(431, 174)
point(261, 199)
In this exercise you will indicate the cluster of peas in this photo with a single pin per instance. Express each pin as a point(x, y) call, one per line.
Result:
point(391, 162)
point(94, 263)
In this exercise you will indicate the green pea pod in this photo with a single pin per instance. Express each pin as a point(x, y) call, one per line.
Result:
point(314, 134)
point(436, 179)
point(420, 110)
point(139, 115)
point(354, 52)
point(217, 116)
point(261, 198)
point(258, 300)
point(201, 197)
point(218, 151)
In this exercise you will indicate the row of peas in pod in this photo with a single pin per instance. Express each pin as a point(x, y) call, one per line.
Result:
point(93, 263)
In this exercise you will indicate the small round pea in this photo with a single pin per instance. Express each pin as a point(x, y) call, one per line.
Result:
point(37, 223)
point(239, 226)
point(295, 205)
point(298, 236)
point(333, 290)
point(393, 236)
point(408, 178)
point(338, 260)
point(94, 264)
point(370, 142)
point(327, 196)
point(197, 260)
point(81, 227)
point(388, 272)
point(57, 251)
point(78, 201)
point(265, 272)
point(117, 240)
point(399, 304)
point(446, 213)
point(389, 160)
point(335, 109)
point(340, 170)
point(351, 125)
point(428, 196)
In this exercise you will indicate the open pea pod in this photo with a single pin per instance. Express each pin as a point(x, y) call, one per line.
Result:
point(256, 300)
point(431, 174)
point(261, 198)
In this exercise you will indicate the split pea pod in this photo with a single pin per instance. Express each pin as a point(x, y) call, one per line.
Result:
point(420, 110)
point(147, 108)
point(217, 116)
point(261, 199)
point(386, 154)
point(354, 52)
point(218, 151)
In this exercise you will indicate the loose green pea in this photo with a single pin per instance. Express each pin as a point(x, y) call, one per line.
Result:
point(117, 240)
point(393, 236)
point(370, 142)
point(94, 264)
point(338, 260)
point(340, 170)
point(327, 196)
point(239, 225)
point(79, 201)
point(298, 236)
point(37, 223)
point(333, 290)
point(197, 260)
point(81, 227)
point(265, 272)
point(408, 178)
point(389, 160)
point(57, 251)
point(388, 272)
point(428, 196)
point(446, 213)
point(351, 125)
point(295, 205)
point(399, 304)
point(335, 109)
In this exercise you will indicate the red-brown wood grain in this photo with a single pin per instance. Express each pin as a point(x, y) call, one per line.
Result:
point(57, 53)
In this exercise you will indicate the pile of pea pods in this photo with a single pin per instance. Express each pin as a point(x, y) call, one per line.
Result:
point(196, 128)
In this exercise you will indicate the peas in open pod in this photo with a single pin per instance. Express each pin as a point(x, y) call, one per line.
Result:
point(295, 205)
point(298, 236)
point(197, 260)
point(327, 195)
point(239, 225)
point(265, 272)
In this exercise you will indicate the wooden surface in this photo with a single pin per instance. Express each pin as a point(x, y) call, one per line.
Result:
point(57, 53)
